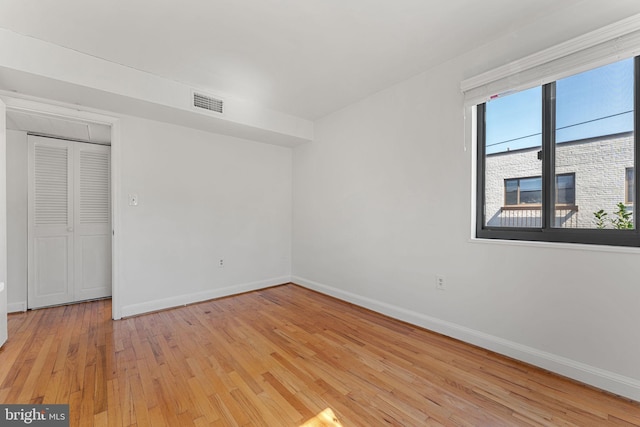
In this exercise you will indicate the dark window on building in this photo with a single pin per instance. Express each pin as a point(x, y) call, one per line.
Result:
point(566, 189)
point(528, 191)
point(523, 191)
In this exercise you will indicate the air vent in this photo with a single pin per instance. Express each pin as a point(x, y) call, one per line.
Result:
point(207, 102)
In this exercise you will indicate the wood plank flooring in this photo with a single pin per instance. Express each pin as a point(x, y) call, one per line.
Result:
point(284, 356)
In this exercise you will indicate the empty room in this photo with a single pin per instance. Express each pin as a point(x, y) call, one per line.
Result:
point(319, 213)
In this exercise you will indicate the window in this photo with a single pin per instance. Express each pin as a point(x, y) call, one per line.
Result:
point(566, 189)
point(528, 191)
point(629, 180)
point(523, 191)
point(582, 125)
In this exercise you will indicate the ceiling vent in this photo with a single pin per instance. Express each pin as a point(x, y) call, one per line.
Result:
point(209, 103)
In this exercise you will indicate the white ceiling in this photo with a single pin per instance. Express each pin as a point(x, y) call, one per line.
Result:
point(306, 58)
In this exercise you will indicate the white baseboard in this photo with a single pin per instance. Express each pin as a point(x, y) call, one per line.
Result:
point(16, 307)
point(181, 300)
point(606, 380)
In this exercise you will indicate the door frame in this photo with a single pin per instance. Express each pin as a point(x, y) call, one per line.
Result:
point(4, 333)
point(34, 105)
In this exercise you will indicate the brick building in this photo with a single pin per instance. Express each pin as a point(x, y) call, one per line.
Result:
point(592, 174)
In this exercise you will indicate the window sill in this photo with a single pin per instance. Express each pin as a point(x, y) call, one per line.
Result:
point(556, 245)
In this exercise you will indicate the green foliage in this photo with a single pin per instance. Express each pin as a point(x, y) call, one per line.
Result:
point(601, 217)
point(623, 219)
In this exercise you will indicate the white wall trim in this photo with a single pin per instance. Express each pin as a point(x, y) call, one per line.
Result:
point(116, 194)
point(31, 104)
point(17, 307)
point(181, 300)
point(606, 380)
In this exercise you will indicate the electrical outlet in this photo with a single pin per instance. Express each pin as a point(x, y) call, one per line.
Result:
point(221, 263)
point(440, 283)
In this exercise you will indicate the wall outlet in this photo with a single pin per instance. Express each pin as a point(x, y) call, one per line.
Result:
point(133, 200)
point(440, 282)
point(221, 263)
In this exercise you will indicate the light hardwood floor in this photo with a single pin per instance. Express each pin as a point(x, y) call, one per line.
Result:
point(283, 356)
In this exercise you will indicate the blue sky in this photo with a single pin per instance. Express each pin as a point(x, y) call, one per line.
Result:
point(597, 102)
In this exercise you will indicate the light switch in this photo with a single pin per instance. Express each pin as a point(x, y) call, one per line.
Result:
point(133, 200)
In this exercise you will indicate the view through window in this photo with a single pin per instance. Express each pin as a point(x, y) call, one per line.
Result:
point(561, 156)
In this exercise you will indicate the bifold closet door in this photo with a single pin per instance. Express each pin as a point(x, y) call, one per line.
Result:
point(92, 229)
point(69, 221)
point(50, 212)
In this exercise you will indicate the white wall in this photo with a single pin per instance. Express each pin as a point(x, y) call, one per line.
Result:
point(382, 203)
point(202, 197)
point(16, 220)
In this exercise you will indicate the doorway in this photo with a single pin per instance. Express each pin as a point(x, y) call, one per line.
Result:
point(69, 221)
point(82, 270)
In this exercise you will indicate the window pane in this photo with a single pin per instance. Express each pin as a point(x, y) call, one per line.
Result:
point(510, 192)
point(594, 141)
point(630, 185)
point(531, 191)
point(513, 129)
point(565, 189)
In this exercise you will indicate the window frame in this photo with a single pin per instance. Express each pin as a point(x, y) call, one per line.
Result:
point(548, 233)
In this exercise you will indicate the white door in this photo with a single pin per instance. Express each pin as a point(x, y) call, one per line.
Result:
point(50, 219)
point(69, 220)
point(3, 224)
point(92, 228)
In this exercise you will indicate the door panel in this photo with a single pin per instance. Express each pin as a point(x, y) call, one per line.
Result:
point(93, 256)
point(93, 222)
point(51, 269)
point(51, 220)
